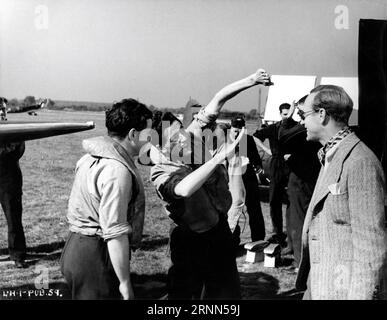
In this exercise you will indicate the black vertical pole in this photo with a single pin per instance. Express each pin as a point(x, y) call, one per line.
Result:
point(372, 67)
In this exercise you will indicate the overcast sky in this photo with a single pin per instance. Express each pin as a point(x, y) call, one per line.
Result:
point(164, 51)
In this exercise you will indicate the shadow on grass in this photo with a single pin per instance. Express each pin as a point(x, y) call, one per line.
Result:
point(258, 286)
point(146, 287)
point(145, 245)
point(262, 286)
point(148, 245)
point(47, 247)
point(41, 248)
point(286, 262)
point(36, 254)
point(149, 286)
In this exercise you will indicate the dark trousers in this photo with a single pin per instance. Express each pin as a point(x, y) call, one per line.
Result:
point(86, 266)
point(278, 182)
point(253, 205)
point(12, 207)
point(203, 264)
point(299, 194)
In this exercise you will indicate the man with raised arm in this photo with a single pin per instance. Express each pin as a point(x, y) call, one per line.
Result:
point(194, 188)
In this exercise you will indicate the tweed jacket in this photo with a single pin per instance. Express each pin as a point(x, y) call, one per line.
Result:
point(344, 238)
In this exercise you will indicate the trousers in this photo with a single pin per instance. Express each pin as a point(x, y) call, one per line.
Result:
point(12, 207)
point(299, 194)
point(203, 264)
point(87, 268)
point(253, 205)
point(278, 182)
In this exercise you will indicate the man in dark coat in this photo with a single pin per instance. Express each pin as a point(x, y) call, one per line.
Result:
point(301, 158)
point(11, 182)
point(278, 173)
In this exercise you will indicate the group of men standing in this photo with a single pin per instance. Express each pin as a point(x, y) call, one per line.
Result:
point(335, 217)
point(336, 223)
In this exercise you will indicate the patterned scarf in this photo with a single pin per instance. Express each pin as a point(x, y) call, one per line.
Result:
point(332, 142)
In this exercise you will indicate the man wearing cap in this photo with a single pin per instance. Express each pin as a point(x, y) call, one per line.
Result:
point(301, 158)
point(250, 182)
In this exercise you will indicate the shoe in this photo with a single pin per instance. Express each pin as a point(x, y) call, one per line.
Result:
point(20, 264)
point(278, 239)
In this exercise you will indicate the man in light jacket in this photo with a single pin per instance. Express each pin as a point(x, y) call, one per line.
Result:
point(106, 207)
point(344, 238)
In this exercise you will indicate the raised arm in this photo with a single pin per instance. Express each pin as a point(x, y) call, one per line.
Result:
point(191, 183)
point(211, 111)
point(231, 90)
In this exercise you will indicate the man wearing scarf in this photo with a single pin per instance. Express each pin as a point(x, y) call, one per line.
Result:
point(344, 241)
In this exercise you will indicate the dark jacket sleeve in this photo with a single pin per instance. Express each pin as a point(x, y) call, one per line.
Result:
point(265, 133)
point(252, 153)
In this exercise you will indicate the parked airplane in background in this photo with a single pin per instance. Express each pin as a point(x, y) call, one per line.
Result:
point(4, 109)
point(23, 108)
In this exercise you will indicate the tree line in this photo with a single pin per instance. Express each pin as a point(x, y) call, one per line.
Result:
point(31, 100)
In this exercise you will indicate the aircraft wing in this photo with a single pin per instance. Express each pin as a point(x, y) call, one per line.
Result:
point(13, 132)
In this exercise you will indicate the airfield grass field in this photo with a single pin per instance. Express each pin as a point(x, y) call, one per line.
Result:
point(48, 171)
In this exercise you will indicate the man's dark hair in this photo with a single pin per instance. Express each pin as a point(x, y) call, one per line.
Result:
point(126, 115)
point(2, 99)
point(336, 102)
point(284, 106)
point(302, 100)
